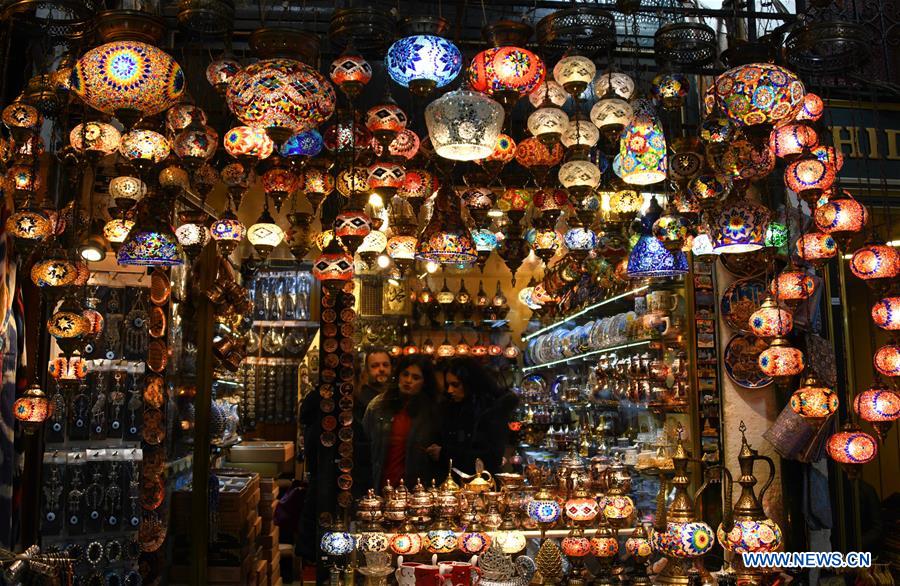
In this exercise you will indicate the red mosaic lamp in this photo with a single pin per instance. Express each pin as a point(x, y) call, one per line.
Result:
point(32, 409)
point(876, 263)
point(780, 360)
point(851, 448)
point(887, 360)
point(880, 406)
point(886, 313)
point(816, 248)
point(792, 285)
point(770, 320)
point(814, 400)
point(842, 217)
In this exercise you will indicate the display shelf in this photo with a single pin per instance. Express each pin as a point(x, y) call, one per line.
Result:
point(288, 323)
point(583, 312)
point(626, 346)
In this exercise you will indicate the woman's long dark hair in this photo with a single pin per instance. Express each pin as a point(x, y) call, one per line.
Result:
point(477, 382)
point(428, 395)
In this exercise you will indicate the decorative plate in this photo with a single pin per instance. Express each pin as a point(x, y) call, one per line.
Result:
point(741, 355)
point(160, 287)
point(745, 264)
point(739, 302)
point(534, 384)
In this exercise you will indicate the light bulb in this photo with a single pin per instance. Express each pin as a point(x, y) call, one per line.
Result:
point(384, 261)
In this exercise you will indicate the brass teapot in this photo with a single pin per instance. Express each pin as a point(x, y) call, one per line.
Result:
point(481, 481)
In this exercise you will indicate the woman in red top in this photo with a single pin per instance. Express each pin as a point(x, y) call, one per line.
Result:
point(401, 422)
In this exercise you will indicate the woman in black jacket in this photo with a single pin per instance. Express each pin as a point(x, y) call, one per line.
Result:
point(474, 418)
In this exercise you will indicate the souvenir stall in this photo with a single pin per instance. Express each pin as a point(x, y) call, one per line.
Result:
point(633, 217)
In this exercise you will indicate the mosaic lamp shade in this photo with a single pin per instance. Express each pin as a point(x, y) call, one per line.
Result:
point(812, 109)
point(506, 72)
point(446, 239)
point(880, 406)
point(531, 153)
point(227, 231)
point(54, 271)
point(886, 313)
point(670, 89)
point(876, 263)
point(385, 178)
point(790, 141)
point(423, 63)
point(353, 180)
point(264, 235)
point(887, 360)
point(579, 177)
point(575, 546)
point(32, 409)
point(851, 448)
point(781, 360)
point(743, 160)
point(842, 217)
point(759, 94)
point(334, 265)
point(813, 400)
point(150, 243)
point(751, 536)
point(116, 230)
point(351, 73)
point(792, 286)
point(19, 116)
point(30, 224)
point(689, 539)
point(127, 79)
point(404, 145)
point(650, 259)
point(386, 120)
point(220, 72)
point(809, 177)
point(580, 133)
point(816, 248)
point(95, 138)
point(144, 146)
point(248, 142)
point(642, 150)
point(303, 144)
point(548, 91)
point(418, 185)
point(574, 73)
point(283, 96)
point(504, 150)
point(68, 322)
point(337, 543)
point(740, 226)
point(464, 125)
point(671, 229)
point(611, 114)
point(192, 237)
point(351, 227)
point(770, 320)
point(196, 143)
point(547, 123)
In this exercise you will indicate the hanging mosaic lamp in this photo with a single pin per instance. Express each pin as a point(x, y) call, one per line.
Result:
point(781, 360)
point(575, 73)
point(792, 285)
point(248, 144)
point(809, 177)
point(770, 320)
point(886, 313)
point(127, 79)
point(351, 227)
point(812, 109)
point(464, 125)
point(195, 144)
point(95, 139)
point(151, 242)
point(547, 123)
point(851, 448)
point(743, 161)
point(334, 266)
point(55, 270)
point(642, 150)
point(303, 144)
point(404, 146)
point(650, 259)
point(506, 73)
point(220, 72)
point(22, 119)
point(282, 96)
point(423, 63)
point(446, 239)
point(116, 231)
point(816, 248)
point(671, 229)
point(759, 95)
point(228, 232)
point(740, 226)
point(813, 400)
point(842, 217)
point(579, 137)
point(264, 235)
point(610, 115)
point(192, 234)
point(579, 177)
point(887, 360)
point(707, 190)
point(615, 82)
point(316, 185)
point(547, 242)
point(278, 183)
point(32, 409)
point(350, 72)
point(880, 406)
point(29, 223)
point(791, 140)
point(670, 89)
point(144, 148)
point(69, 326)
point(548, 90)
point(385, 121)
point(876, 263)
point(385, 178)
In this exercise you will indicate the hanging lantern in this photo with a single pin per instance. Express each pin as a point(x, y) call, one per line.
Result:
point(781, 360)
point(548, 90)
point(22, 119)
point(144, 148)
point(776, 235)
point(851, 448)
point(650, 259)
point(876, 264)
point(643, 148)
point(55, 271)
point(351, 227)
point(192, 236)
point(68, 325)
point(546, 243)
point(792, 286)
point(195, 144)
point(385, 121)
point(759, 94)
point(812, 109)
point(126, 191)
point(303, 144)
point(717, 130)
point(351, 73)
point(574, 73)
point(173, 179)
point(670, 89)
point(829, 156)
point(418, 185)
point(506, 73)
point(404, 146)
point(227, 231)
point(744, 161)
point(707, 190)
point(32, 409)
point(29, 224)
point(886, 313)
point(770, 320)
point(791, 140)
point(536, 157)
point(842, 217)
point(702, 247)
point(116, 230)
point(809, 177)
point(317, 184)
point(182, 115)
point(813, 400)
point(880, 406)
point(740, 226)
point(580, 178)
point(385, 178)
point(423, 63)
point(277, 183)
point(547, 124)
point(264, 235)
point(616, 83)
point(610, 115)
point(671, 229)
point(220, 72)
point(350, 181)
point(887, 360)
point(446, 239)
point(463, 125)
point(580, 136)
point(248, 143)
point(282, 96)
point(334, 266)
point(95, 139)
point(127, 79)
point(816, 248)
point(150, 243)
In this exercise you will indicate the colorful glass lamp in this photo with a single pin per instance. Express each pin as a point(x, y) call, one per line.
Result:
point(32, 409)
point(851, 448)
point(880, 406)
point(446, 239)
point(423, 63)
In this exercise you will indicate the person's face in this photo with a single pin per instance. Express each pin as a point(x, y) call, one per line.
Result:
point(411, 381)
point(455, 388)
point(378, 366)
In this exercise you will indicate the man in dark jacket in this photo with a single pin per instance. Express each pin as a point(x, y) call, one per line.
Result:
point(374, 380)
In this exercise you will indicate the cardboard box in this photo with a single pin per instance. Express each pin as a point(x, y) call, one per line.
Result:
point(262, 451)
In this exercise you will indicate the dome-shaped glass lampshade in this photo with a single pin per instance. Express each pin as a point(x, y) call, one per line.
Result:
point(649, 258)
point(20, 116)
point(303, 144)
point(446, 239)
point(809, 177)
point(886, 313)
point(334, 265)
point(55, 271)
point(751, 535)
point(144, 145)
point(506, 72)
point(404, 145)
point(887, 360)
point(792, 286)
point(151, 244)
point(385, 120)
point(463, 125)
point(670, 89)
point(351, 73)
point(851, 447)
point(548, 91)
point(532, 154)
point(842, 217)
point(770, 320)
point(182, 115)
point(374, 243)
point(813, 400)
point(116, 230)
point(759, 93)
point(126, 191)
point(616, 83)
point(611, 114)
point(220, 72)
point(196, 144)
point(671, 229)
point(227, 231)
point(30, 224)
point(32, 409)
point(68, 322)
point(351, 227)
point(385, 178)
point(579, 177)
point(642, 149)
point(282, 96)
point(790, 140)
point(127, 79)
point(781, 360)
point(547, 124)
point(423, 63)
point(580, 136)
point(95, 138)
point(875, 263)
point(740, 226)
point(816, 248)
point(264, 235)
point(574, 73)
point(812, 109)
point(247, 142)
point(878, 405)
